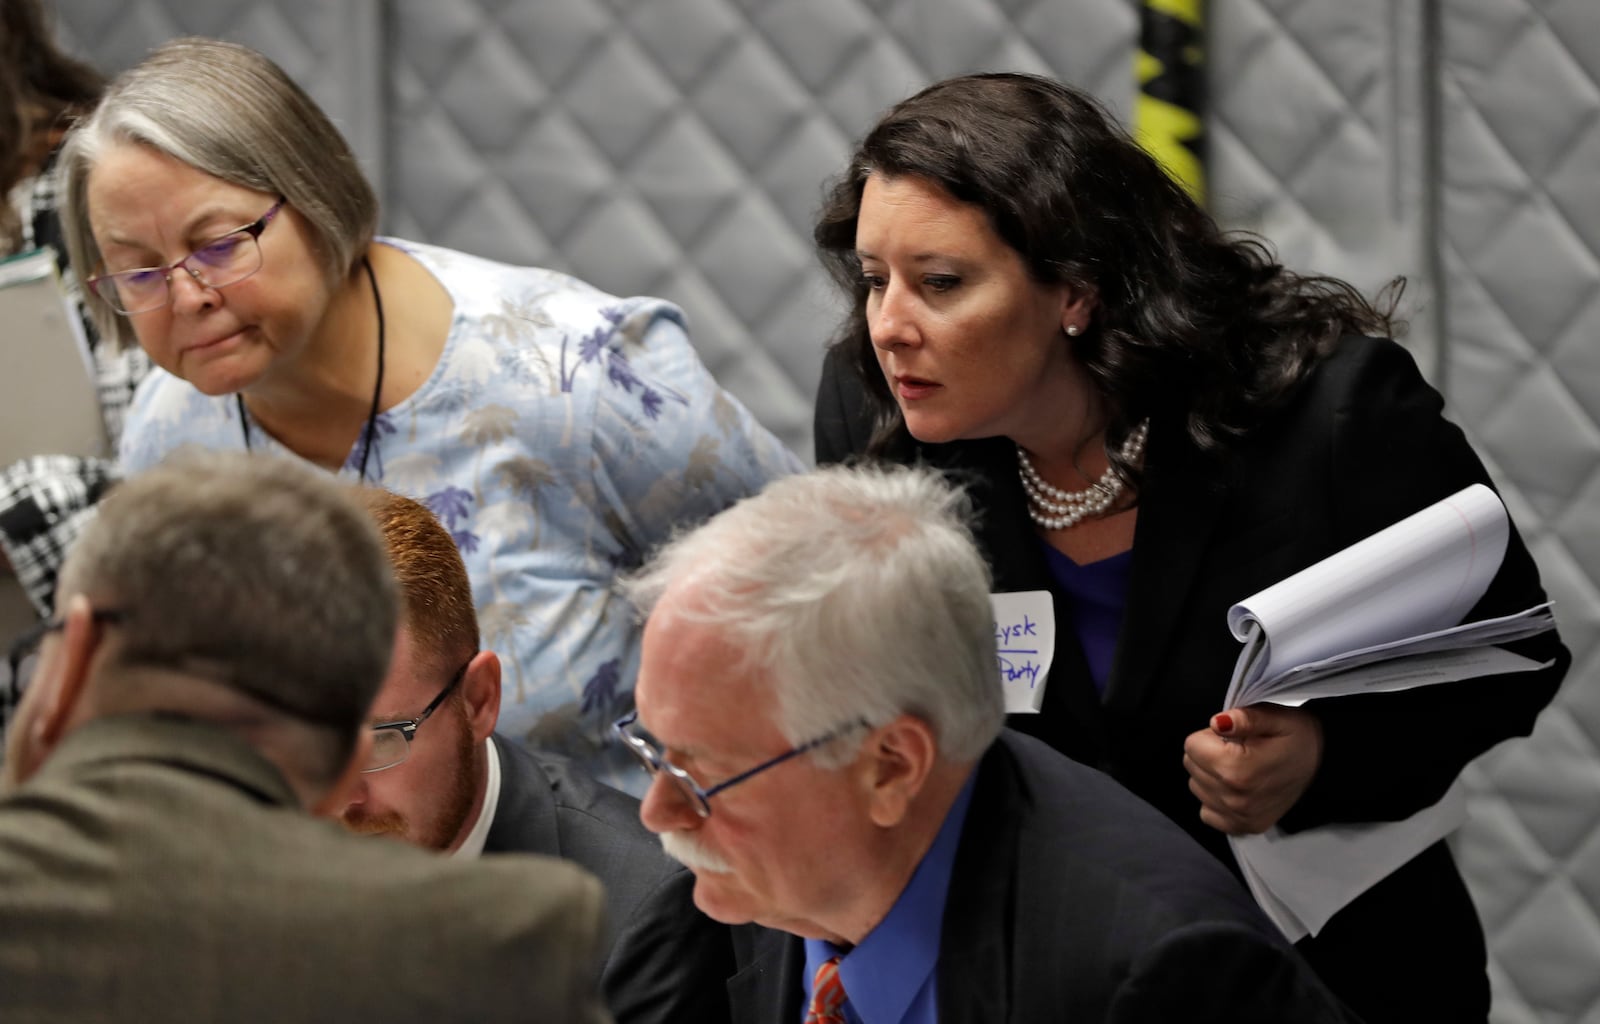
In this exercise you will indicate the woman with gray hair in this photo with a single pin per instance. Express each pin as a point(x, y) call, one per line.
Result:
point(223, 224)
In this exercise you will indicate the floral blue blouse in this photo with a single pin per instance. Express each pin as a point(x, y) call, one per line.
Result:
point(563, 434)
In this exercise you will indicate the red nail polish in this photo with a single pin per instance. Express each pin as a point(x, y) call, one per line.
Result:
point(1224, 723)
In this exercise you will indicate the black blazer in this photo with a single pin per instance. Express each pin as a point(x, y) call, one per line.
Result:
point(662, 960)
point(1073, 901)
point(1361, 444)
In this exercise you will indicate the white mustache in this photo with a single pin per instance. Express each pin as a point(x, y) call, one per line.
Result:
point(688, 851)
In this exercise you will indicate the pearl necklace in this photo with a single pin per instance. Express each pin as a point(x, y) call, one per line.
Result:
point(1052, 508)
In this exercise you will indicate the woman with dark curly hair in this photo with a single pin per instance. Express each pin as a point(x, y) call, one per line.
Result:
point(1156, 420)
point(41, 89)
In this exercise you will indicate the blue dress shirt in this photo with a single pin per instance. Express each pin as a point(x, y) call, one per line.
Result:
point(890, 977)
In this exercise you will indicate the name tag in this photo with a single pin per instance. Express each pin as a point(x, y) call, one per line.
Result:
point(1025, 634)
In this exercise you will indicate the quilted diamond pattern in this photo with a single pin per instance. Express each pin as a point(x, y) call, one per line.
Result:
point(1303, 130)
point(1521, 238)
point(671, 147)
point(678, 147)
point(1476, 178)
point(329, 48)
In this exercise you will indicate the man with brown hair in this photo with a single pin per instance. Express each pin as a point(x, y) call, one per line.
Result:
point(439, 777)
point(222, 628)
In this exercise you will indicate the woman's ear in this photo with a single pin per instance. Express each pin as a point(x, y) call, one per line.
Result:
point(1077, 309)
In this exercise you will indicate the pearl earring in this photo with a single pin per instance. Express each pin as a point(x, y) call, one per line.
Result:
point(1073, 330)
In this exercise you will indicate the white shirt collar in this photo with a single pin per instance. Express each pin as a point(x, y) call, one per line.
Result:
point(472, 846)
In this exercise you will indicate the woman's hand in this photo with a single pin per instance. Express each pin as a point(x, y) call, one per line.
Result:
point(1251, 765)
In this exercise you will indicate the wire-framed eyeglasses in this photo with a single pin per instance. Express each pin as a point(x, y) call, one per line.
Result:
point(391, 741)
point(223, 261)
point(651, 758)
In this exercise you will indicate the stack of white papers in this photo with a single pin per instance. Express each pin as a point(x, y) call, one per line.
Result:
point(1381, 615)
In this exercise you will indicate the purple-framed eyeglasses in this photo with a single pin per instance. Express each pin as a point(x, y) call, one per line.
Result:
point(223, 261)
point(700, 799)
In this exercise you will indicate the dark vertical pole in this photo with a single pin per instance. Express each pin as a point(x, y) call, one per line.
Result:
point(1169, 108)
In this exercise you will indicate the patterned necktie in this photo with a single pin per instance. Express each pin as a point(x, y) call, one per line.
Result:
point(827, 995)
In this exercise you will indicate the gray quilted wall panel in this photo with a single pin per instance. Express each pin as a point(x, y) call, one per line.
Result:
point(1317, 140)
point(1459, 144)
point(1519, 240)
point(679, 148)
point(332, 49)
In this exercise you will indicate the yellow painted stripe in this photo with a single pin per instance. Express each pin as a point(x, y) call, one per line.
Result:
point(1146, 67)
point(1162, 128)
point(1186, 11)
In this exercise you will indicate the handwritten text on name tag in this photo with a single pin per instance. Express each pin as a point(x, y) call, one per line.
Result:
point(1025, 639)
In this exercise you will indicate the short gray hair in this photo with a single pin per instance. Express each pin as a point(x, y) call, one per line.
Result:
point(253, 571)
point(857, 593)
point(228, 111)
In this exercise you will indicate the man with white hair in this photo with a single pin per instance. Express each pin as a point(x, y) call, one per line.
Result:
point(819, 702)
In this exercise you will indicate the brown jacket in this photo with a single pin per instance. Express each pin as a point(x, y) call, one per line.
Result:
point(159, 870)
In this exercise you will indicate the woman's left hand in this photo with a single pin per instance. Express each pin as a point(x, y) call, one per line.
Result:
point(1251, 765)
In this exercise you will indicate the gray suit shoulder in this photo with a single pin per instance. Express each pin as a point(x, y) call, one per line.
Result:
point(487, 940)
point(549, 805)
point(662, 960)
point(213, 902)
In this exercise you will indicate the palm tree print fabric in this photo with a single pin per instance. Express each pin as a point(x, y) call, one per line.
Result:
point(563, 434)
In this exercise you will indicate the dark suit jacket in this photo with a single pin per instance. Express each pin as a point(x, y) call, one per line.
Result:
point(1073, 901)
point(1361, 444)
point(159, 870)
point(663, 960)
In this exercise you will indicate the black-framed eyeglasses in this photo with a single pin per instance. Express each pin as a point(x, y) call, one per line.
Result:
point(223, 261)
point(23, 658)
point(391, 741)
point(650, 756)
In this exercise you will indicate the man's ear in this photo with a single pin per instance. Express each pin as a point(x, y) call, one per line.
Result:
point(337, 797)
point(64, 680)
point(897, 759)
point(480, 688)
point(54, 695)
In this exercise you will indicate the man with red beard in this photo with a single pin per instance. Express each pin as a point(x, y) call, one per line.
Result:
point(439, 777)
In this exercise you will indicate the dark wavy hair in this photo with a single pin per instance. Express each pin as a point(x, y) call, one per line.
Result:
point(40, 87)
point(1188, 319)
